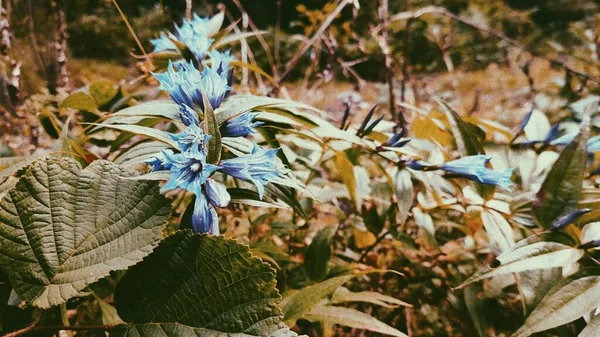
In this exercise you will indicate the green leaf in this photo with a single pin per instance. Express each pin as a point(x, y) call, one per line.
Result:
point(140, 152)
point(498, 230)
point(251, 198)
point(529, 254)
point(211, 127)
point(533, 285)
point(561, 190)
point(467, 143)
point(109, 313)
point(103, 92)
point(476, 309)
point(342, 295)
point(592, 329)
point(80, 101)
point(199, 285)
point(352, 318)
point(304, 301)
point(346, 170)
point(569, 299)
point(63, 228)
point(404, 194)
point(161, 109)
point(318, 254)
point(236, 37)
point(156, 134)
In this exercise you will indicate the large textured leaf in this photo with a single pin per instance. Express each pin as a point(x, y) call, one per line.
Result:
point(529, 254)
point(63, 228)
point(568, 300)
point(561, 190)
point(199, 285)
point(352, 318)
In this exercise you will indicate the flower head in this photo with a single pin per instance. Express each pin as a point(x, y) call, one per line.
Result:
point(215, 86)
point(198, 45)
point(188, 115)
point(220, 62)
point(568, 218)
point(396, 140)
point(217, 193)
point(193, 139)
point(182, 85)
point(189, 171)
point(564, 139)
point(163, 42)
point(475, 168)
point(257, 167)
point(240, 126)
point(204, 217)
point(159, 161)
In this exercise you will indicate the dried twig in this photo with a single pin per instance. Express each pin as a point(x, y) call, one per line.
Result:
point(292, 63)
point(556, 61)
point(131, 31)
point(60, 44)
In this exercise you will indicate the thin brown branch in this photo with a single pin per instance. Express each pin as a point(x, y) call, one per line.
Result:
point(34, 327)
point(556, 61)
point(296, 58)
point(131, 31)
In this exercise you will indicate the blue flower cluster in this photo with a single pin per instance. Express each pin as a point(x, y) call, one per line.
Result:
point(474, 168)
point(194, 34)
point(188, 166)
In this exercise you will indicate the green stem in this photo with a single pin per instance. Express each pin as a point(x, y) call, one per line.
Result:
point(65, 318)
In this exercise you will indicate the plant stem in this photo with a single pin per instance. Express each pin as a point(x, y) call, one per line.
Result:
point(131, 31)
point(33, 327)
point(64, 317)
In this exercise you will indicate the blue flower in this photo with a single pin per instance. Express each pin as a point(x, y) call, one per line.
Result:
point(188, 115)
point(163, 42)
point(564, 139)
point(198, 45)
point(159, 162)
point(217, 193)
point(215, 86)
point(568, 218)
point(183, 85)
point(189, 171)
point(396, 141)
point(418, 165)
point(204, 217)
point(593, 144)
point(220, 62)
point(193, 139)
point(240, 125)
point(475, 168)
point(257, 167)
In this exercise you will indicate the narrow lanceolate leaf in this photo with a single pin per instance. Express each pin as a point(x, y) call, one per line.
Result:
point(466, 141)
point(498, 229)
point(404, 194)
point(351, 318)
point(346, 170)
point(318, 254)
point(155, 109)
point(199, 285)
point(342, 294)
point(561, 190)
point(304, 301)
point(568, 300)
point(153, 133)
point(533, 285)
point(64, 227)
point(528, 255)
point(592, 329)
point(211, 127)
